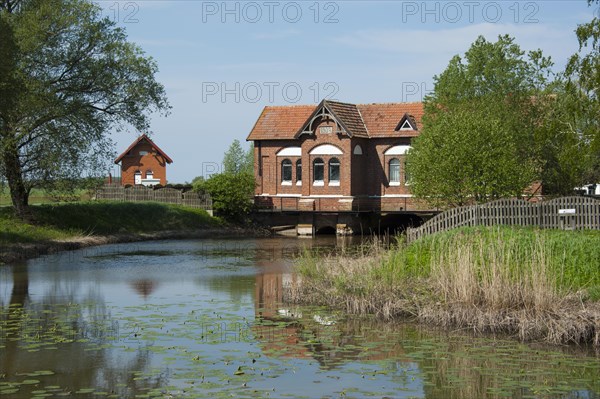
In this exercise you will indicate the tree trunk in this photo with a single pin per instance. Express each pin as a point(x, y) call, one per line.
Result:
point(18, 192)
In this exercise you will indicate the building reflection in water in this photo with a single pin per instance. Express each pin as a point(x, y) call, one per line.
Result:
point(144, 287)
point(287, 330)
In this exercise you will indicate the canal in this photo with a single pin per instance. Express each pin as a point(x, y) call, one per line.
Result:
point(208, 318)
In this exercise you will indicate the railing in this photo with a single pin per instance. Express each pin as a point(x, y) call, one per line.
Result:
point(565, 213)
point(164, 195)
point(337, 204)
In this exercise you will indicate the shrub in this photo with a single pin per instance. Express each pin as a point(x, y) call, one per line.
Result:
point(231, 194)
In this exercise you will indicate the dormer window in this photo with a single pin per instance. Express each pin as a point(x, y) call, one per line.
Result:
point(407, 123)
point(142, 153)
point(406, 126)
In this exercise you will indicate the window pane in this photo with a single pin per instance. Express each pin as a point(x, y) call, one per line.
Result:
point(286, 170)
point(298, 170)
point(334, 170)
point(318, 169)
point(395, 171)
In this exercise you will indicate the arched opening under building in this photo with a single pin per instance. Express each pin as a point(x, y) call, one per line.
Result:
point(326, 230)
point(398, 223)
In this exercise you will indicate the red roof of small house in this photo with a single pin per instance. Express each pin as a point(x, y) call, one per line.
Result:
point(137, 141)
point(359, 120)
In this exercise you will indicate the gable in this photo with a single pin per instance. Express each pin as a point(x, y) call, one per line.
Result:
point(345, 116)
point(143, 139)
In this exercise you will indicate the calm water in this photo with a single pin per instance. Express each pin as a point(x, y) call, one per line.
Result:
point(205, 318)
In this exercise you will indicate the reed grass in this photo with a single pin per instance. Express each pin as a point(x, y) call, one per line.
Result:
point(535, 284)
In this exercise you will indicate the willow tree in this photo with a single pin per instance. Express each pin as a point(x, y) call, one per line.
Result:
point(68, 76)
point(481, 126)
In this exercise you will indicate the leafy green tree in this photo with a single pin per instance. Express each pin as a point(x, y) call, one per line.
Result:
point(249, 161)
point(68, 77)
point(468, 155)
point(231, 194)
point(481, 125)
point(563, 141)
point(236, 160)
point(583, 89)
point(232, 191)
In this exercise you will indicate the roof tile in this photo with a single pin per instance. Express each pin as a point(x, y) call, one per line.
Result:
point(362, 120)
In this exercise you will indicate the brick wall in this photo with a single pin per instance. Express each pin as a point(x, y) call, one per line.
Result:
point(363, 174)
point(133, 162)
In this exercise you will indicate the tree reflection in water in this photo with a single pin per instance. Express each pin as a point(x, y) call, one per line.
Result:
point(54, 334)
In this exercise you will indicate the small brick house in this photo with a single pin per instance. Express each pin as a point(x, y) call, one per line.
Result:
point(143, 163)
point(335, 156)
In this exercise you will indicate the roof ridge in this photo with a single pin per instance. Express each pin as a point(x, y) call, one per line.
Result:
point(338, 102)
point(395, 103)
point(137, 141)
point(291, 106)
point(363, 121)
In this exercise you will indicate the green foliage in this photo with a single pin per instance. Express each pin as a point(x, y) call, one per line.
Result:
point(563, 142)
point(232, 190)
point(69, 76)
point(570, 259)
point(236, 160)
point(582, 77)
point(479, 136)
point(571, 255)
point(231, 194)
point(468, 154)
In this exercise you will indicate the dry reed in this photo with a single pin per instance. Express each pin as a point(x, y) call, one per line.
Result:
point(482, 284)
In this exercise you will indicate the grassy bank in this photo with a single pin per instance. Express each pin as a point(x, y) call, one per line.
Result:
point(535, 284)
point(86, 222)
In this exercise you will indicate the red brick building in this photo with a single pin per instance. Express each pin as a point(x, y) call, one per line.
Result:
point(335, 156)
point(143, 163)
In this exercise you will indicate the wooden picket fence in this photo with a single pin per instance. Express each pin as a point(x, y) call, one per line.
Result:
point(165, 195)
point(560, 213)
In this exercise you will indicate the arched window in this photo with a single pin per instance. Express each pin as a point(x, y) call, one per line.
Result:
point(394, 171)
point(299, 171)
point(334, 171)
point(318, 171)
point(137, 177)
point(149, 174)
point(286, 171)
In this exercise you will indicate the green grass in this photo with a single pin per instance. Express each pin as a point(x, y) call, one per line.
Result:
point(573, 257)
point(535, 284)
point(570, 258)
point(39, 196)
point(100, 218)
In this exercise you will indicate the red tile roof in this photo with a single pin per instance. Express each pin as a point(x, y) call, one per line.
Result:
point(361, 120)
point(382, 119)
point(349, 116)
point(280, 122)
point(144, 137)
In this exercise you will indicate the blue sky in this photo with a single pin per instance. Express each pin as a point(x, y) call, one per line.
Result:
point(222, 62)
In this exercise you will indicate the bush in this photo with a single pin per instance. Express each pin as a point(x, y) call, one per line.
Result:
point(231, 194)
